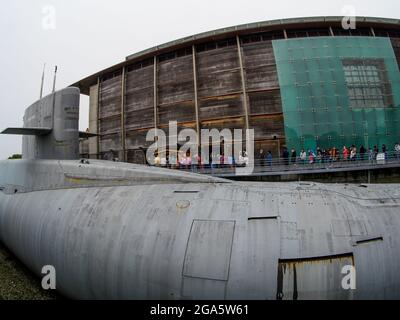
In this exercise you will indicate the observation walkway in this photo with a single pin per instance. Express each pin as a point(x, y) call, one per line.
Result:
point(288, 169)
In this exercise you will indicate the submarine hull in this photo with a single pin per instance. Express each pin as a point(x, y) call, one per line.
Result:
point(124, 238)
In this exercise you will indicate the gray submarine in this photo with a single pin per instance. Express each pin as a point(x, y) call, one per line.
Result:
point(124, 231)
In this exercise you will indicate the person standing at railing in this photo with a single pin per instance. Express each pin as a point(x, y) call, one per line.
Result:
point(376, 151)
point(325, 155)
point(182, 161)
point(362, 153)
point(353, 153)
point(293, 156)
point(241, 158)
point(157, 160)
point(345, 153)
point(230, 161)
point(245, 158)
point(285, 156)
point(311, 157)
point(199, 162)
point(370, 155)
point(384, 150)
point(335, 154)
point(303, 156)
point(397, 150)
point(213, 160)
point(193, 162)
point(319, 155)
point(261, 157)
point(163, 161)
point(268, 159)
point(172, 161)
point(330, 155)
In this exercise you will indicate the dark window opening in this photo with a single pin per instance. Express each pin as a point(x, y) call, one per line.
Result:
point(216, 45)
point(140, 64)
point(392, 33)
point(352, 32)
point(111, 75)
point(266, 36)
point(367, 83)
point(175, 54)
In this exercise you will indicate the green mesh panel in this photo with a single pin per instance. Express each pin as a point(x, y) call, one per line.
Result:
point(315, 97)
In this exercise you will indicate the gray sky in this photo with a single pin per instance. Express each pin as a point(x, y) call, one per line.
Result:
point(90, 35)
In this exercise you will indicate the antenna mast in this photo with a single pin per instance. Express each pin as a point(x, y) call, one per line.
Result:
point(41, 86)
point(55, 77)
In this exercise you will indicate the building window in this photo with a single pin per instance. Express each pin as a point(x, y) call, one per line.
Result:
point(367, 83)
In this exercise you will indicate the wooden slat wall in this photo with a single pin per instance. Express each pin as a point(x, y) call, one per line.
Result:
point(220, 107)
point(179, 111)
point(175, 80)
point(139, 90)
point(267, 127)
point(260, 67)
point(93, 121)
point(110, 114)
point(218, 72)
point(265, 106)
point(180, 127)
point(219, 89)
point(139, 107)
point(110, 141)
point(110, 125)
point(266, 102)
point(175, 90)
point(220, 97)
point(139, 119)
point(234, 123)
point(136, 139)
point(110, 97)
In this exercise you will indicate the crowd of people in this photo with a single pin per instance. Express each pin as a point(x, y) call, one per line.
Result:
point(292, 157)
point(333, 154)
point(188, 161)
point(288, 157)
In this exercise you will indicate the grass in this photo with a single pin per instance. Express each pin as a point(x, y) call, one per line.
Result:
point(19, 283)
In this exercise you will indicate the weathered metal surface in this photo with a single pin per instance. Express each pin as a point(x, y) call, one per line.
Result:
point(28, 131)
point(50, 128)
point(303, 279)
point(209, 240)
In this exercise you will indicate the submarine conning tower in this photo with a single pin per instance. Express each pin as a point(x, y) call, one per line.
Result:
point(51, 127)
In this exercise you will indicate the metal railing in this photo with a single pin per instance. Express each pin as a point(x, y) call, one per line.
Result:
point(265, 166)
point(276, 165)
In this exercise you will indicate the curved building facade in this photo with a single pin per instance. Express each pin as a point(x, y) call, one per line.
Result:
point(299, 83)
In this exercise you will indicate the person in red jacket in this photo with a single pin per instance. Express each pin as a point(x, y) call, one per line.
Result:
point(345, 153)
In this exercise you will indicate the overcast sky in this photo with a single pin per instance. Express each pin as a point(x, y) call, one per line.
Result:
point(90, 35)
